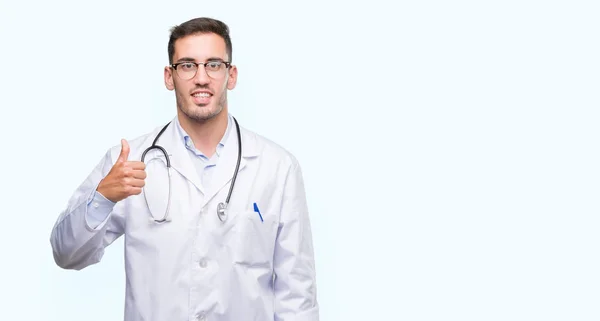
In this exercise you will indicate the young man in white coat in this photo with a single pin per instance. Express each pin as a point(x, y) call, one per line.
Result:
point(190, 260)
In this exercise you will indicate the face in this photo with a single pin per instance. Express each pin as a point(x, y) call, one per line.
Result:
point(204, 95)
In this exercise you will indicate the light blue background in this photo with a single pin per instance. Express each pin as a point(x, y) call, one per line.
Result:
point(450, 149)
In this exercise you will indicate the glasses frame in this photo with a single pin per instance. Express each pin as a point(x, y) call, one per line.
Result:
point(198, 64)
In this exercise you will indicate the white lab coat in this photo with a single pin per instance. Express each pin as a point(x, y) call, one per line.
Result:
point(196, 267)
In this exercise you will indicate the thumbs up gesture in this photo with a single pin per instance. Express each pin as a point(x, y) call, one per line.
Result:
point(125, 178)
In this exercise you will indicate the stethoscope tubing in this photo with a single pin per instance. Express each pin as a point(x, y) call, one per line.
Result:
point(222, 207)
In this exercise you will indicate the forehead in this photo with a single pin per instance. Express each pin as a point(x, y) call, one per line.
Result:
point(200, 47)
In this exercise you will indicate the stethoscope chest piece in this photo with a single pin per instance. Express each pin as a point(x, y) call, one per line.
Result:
point(221, 212)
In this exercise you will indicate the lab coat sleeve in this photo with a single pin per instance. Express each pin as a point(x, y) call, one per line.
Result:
point(79, 237)
point(294, 264)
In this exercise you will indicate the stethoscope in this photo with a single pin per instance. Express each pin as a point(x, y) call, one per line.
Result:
point(222, 207)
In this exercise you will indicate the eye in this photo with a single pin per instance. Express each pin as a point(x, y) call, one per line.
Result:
point(213, 65)
point(187, 66)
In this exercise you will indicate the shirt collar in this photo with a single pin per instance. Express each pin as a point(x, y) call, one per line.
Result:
point(187, 140)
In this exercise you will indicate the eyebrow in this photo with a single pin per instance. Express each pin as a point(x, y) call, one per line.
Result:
point(186, 59)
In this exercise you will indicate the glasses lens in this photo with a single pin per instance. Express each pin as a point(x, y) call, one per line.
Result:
point(186, 70)
point(215, 69)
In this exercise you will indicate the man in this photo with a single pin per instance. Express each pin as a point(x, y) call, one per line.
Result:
point(185, 259)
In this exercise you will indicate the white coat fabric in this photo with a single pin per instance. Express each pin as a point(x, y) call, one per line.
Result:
point(196, 267)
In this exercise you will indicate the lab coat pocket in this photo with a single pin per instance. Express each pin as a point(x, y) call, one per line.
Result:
point(255, 239)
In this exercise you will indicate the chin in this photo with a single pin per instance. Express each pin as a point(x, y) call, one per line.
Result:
point(202, 113)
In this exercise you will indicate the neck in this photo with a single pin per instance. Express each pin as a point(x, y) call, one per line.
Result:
point(206, 134)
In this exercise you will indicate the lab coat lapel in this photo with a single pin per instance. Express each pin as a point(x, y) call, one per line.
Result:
point(180, 158)
point(227, 162)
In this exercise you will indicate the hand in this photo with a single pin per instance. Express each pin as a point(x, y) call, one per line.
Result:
point(125, 178)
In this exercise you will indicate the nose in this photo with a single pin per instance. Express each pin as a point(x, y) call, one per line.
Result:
point(201, 77)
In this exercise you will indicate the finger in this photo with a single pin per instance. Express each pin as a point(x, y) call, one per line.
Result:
point(124, 151)
point(139, 174)
point(136, 182)
point(132, 173)
point(135, 190)
point(137, 165)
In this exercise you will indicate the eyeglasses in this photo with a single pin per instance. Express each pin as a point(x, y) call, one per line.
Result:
point(187, 70)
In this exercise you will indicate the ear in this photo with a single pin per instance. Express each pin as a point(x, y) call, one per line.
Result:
point(233, 74)
point(169, 78)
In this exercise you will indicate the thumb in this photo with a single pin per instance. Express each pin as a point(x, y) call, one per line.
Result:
point(124, 151)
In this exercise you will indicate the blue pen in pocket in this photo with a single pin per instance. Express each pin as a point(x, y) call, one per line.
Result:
point(258, 211)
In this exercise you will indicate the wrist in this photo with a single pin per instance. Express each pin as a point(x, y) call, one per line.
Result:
point(103, 192)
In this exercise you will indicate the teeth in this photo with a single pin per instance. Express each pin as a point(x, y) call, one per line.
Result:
point(201, 95)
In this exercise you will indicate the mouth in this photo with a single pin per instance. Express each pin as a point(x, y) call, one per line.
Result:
point(201, 97)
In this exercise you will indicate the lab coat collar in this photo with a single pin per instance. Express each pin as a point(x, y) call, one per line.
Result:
point(181, 162)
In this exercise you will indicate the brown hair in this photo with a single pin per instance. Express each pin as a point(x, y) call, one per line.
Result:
point(199, 25)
